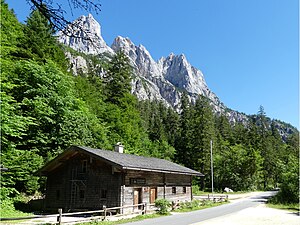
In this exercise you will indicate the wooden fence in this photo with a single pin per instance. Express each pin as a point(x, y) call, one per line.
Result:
point(87, 215)
point(211, 197)
point(103, 214)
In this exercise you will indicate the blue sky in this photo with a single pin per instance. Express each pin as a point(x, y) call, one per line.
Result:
point(248, 50)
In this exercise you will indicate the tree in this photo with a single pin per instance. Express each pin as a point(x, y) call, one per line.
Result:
point(183, 142)
point(39, 39)
point(172, 126)
point(54, 12)
point(203, 132)
point(237, 167)
point(11, 30)
point(265, 146)
point(289, 188)
point(118, 77)
point(224, 128)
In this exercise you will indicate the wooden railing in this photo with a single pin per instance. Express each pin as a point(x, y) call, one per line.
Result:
point(102, 214)
point(211, 197)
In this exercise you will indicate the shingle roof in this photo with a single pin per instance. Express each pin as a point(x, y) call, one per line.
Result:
point(128, 161)
point(132, 162)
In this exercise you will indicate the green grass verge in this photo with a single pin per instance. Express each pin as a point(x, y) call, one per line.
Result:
point(198, 205)
point(290, 207)
point(185, 207)
point(137, 218)
point(7, 210)
point(197, 191)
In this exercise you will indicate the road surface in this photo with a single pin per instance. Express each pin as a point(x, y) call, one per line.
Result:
point(210, 213)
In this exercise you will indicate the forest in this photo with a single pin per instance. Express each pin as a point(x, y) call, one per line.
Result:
point(45, 109)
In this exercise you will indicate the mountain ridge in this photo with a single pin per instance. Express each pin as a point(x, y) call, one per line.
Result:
point(163, 80)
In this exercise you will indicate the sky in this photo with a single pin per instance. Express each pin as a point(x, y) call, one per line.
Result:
point(248, 50)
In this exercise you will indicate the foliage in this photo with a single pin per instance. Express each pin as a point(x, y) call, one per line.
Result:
point(45, 109)
point(237, 167)
point(196, 190)
point(7, 208)
point(39, 39)
point(163, 206)
point(118, 77)
point(121, 221)
point(289, 188)
point(293, 207)
point(55, 14)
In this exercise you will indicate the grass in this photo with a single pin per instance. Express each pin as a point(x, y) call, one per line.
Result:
point(185, 207)
point(279, 201)
point(294, 207)
point(7, 210)
point(198, 205)
point(137, 218)
point(197, 191)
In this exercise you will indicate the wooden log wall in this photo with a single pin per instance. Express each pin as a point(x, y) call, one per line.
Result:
point(79, 188)
point(164, 184)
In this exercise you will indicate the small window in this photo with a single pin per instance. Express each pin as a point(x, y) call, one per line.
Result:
point(81, 194)
point(103, 193)
point(84, 166)
point(184, 190)
point(57, 194)
point(173, 190)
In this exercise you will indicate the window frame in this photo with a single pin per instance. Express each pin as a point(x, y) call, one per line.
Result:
point(174, 191)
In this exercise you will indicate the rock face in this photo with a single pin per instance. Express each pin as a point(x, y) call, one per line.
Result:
point(162, 80)
point(84, 35)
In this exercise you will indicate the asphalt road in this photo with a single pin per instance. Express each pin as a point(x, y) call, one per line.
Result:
point(210, 213)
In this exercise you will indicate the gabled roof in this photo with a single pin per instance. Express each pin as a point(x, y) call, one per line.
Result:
point(121, 160)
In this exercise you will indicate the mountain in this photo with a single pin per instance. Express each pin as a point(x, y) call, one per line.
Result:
point(163, 80)
point(84, 35)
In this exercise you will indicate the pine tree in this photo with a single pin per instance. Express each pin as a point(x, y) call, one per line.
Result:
point(39, 39)
point(183, 142)
point(203, 133)
point(118, 77)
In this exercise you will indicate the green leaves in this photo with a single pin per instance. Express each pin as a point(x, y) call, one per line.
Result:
point(44, 110)
point(237, 167)
point(118, 77)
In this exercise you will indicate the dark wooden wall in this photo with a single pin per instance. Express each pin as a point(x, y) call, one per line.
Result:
point(164, 184)
point(83, 182)
point(83, 188)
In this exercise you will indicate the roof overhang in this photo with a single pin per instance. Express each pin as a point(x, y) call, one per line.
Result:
point(163, 171)
point(74, 150)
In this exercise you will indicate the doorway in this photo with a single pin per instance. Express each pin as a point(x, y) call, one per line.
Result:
point(137, 197)
point(153, 195)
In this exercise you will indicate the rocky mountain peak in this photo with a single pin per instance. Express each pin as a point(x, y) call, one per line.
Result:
point(84, 35)
point(90, 25)
point(163, 80)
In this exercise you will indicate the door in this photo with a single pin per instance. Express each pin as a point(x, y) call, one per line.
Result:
point(137, 198)
point(136, 194)
point(152, 195)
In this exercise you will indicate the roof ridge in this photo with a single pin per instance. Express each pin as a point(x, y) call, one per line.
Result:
point(124, 161)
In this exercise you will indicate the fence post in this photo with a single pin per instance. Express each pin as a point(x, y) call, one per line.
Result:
point(59, 216)
point(104, 208)
point(145, 208)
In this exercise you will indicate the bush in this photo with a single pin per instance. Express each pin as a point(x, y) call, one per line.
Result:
point(190, 205)
point(289, 189)
point(163, 206)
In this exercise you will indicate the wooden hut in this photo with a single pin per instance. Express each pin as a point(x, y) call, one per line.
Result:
point(86, 178)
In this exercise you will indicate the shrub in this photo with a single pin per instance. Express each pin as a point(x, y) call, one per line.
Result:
point(194, 204)
point(163, 206)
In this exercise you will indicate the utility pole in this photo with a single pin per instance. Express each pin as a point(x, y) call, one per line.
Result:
point(212, 168)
